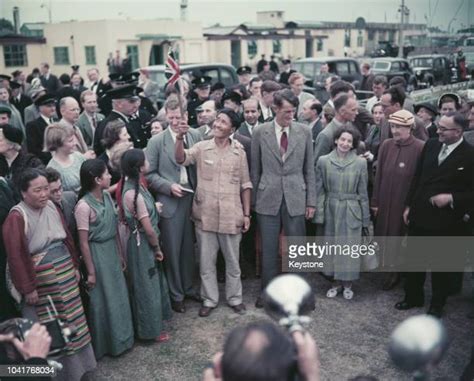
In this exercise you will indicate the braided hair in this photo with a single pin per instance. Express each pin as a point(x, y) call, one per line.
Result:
point(131, 162)
point(90, 170)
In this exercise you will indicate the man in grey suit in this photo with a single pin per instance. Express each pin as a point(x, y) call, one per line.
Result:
point(296, 82)
point(346, 108)
point(283, 178)
point(205, 115)
point(89, 118)
point(251, 113)
point(172, 185)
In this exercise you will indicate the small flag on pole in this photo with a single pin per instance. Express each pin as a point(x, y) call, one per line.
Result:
point(172, 71)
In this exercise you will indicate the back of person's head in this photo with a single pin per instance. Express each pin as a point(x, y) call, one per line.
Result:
point(90, 170)
point(132, 161)
point(258, 352)
point(459, 119)
point(339, 87)
point(112, 132)
point(52, 175)
point(397, 94)
point(65, 79)
point(398, 80)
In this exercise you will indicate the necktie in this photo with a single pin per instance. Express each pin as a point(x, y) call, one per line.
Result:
point(443, 154)
point(51, 120)
point(94, 122)
point(283, 142)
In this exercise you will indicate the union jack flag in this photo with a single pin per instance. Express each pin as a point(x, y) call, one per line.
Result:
point(172, 71)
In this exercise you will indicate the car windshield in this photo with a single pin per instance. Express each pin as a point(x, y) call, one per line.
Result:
point(422, 62)
point(381, 65)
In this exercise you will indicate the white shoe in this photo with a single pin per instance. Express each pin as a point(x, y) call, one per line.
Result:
point(333, 291)
point(348, 293)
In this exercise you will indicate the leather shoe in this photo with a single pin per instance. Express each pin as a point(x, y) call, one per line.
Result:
point(435, 311)
point(239, 309)
point(194, 297)
point(205, 311)
point(404, 305)
point(259, 302)
point(178, 307)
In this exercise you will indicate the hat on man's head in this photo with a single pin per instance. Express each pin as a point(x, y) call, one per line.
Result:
point(75, 67)
point(402, 118)
point(5, 110)
point(233, 96)
point(5, 77)
point(451, 96)
point(244, 70)
point(201, 81)
point(15, 85)
point(36, 92)
point(426, 105)
point(124, 92)
point(12, 134)
point(217, 86)
point(131, 77)
point(16, 73)
point(45, 99)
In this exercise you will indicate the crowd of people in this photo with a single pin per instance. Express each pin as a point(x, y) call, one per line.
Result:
point(112, 202)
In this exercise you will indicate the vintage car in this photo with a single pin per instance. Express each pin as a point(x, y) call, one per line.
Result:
point(433, 70)
point(394, 67)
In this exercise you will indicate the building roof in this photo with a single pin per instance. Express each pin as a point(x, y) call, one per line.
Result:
point(218, 30)
point(159, 36)
point(9, 38)
point(34, 25)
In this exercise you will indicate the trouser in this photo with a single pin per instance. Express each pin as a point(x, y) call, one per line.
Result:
point(177, 240)
point(270, 227)
point(441, 282)
point(209, 244)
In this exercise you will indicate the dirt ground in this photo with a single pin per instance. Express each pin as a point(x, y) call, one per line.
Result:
point(352, 336)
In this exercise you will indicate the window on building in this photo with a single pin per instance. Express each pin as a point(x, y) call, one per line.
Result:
point(347, 38)
point(276, 46)
point(132, 54)
point(251, 49)
point(391, 36)
point(370, 34)
point(15, 55)
point(360, 39)
point(61, 55)
point(319, 45)
point(90, 55)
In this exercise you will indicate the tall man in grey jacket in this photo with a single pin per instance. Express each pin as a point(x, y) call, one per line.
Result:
point(283, 179)
point(171, 183)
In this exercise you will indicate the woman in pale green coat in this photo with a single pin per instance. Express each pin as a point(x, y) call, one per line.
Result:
point(342, 206)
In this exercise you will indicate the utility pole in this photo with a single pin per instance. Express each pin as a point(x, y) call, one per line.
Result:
point(403, 12)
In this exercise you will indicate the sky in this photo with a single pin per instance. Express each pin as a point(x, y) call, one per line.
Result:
point(442, 13)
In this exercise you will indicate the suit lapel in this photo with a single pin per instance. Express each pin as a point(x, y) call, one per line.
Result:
point(293, 138)
point(270, 139)
point(168, 145)
point(87, 126)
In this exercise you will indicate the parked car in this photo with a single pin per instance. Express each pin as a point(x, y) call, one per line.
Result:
point(386, 49)
point(217, 71)
point(432, 70)
point(346, 68)
point(393, 67)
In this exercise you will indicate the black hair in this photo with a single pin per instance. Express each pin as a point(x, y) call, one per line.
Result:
point(130, 164)
point(398, 80)
point(28, 175)
point(90, 170)
point(350, 130)
point(273, 360)
point(398, 95)
point(65, 79)
point(340, 101)
point(459, 119)
point(52, 175)
point(285, 95)
point(317, 107)
point(233, 116)
point(340, 87)
point(255, 79)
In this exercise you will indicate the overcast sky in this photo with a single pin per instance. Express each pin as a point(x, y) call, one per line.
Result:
point(457, 13)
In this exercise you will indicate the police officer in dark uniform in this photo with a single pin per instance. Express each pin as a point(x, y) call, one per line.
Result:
point(200, 94)
point(287, 70)
point(244, 75)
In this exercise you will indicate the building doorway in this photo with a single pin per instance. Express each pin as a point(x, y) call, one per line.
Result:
point(157, 55)
point(235, 53)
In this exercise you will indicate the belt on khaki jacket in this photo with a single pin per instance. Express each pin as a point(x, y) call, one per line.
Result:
point(343, 196)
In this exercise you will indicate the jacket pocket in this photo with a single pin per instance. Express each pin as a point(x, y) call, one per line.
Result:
point(207, 170)
point(354, 215)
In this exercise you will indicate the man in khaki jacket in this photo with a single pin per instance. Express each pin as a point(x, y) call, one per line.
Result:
point(221, 207)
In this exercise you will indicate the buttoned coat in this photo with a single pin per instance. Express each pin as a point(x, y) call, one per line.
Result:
point(273, 178)
point(164, 171)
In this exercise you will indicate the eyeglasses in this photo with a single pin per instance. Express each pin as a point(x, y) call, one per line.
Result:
point(444, 129)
